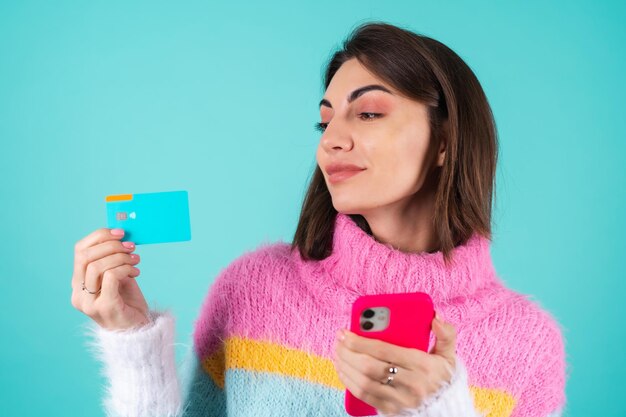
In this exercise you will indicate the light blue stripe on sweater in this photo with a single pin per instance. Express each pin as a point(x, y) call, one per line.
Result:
point(261, 394)
point(256, 394)
point(201, 396)
point(280, 395)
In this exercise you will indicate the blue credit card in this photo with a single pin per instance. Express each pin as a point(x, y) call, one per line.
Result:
point(150, 217)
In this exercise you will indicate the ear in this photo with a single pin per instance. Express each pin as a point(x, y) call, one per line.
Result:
point(441, 153)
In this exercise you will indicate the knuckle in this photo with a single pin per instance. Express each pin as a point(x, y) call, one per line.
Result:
point(110, 274)
point(102, 233)
point(89, 309)
point(378, 348)
point(125, 258)
point(424, 367)
point(117, 259)
point(416, 390)
point(75, 300)
point(92, 268)
point(339, 351)
point(429, 367)
point(116, 246)
point(349, 343)
point(370, 385)
point(80, 257)
point(408, 402)
point(379, 351)
point(370, 369)
point(449, 372)
point(359, 392)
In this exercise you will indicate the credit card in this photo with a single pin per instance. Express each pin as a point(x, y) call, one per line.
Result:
point(161, 217)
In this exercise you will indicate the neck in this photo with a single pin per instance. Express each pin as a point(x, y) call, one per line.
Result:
point(361, 265)
point(406, 225)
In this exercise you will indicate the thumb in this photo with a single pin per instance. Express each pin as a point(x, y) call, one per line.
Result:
point(446, 339)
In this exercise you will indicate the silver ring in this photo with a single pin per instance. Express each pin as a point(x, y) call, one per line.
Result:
point(85, 289)
point(392, 371)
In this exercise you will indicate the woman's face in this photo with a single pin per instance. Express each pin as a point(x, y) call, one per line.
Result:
point(381, 132)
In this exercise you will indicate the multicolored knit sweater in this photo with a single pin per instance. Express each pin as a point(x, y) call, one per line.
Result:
point(264, 339)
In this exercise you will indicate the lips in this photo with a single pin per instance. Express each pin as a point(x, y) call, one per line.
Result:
point(341, 171)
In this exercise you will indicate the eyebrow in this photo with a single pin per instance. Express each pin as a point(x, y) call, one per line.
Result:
point(357, 93)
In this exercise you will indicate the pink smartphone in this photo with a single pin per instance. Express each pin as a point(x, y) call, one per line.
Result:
point(402, 319)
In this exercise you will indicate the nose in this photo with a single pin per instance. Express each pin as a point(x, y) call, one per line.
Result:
point(336, 137)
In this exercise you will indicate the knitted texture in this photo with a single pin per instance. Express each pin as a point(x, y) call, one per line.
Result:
point(265, 335)
point(271, 317)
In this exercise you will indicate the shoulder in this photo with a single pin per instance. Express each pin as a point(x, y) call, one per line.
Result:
point(237, 288)
point(264, 258)
point(547, 365)
point(253, 267)
point(528, 313)
point(518, 344)
point(525, 346)
point(533, 331)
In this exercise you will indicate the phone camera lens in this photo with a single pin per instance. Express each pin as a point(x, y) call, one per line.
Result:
point(367, 325)
point(369, 313)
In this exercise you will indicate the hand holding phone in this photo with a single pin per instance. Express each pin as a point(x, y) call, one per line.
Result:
point(402, 319)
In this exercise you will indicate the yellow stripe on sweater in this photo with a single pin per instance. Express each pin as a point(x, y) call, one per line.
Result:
point(259, 356)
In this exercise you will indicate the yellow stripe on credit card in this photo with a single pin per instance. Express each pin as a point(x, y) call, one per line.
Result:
point(119, 197)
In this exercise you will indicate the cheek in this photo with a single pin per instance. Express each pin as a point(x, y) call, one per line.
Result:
point(412, 146)
point(321, 159)
point(400, 151)
point(318, 154)
point(401, 162)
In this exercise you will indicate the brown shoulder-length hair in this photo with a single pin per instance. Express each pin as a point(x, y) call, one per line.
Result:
point(427, 71)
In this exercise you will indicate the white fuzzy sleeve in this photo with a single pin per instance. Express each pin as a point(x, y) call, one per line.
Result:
point(140, 367)
point(452, 399)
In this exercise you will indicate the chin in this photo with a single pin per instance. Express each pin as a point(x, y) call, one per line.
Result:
point(348, 207)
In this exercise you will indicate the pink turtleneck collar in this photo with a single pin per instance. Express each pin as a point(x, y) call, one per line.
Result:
point(362, 265)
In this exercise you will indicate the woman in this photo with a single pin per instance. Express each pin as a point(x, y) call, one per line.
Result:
point(400, 202)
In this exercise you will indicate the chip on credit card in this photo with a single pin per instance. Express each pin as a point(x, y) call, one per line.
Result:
point(161, 217)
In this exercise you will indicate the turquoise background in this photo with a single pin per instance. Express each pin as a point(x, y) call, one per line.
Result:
point(220, 98)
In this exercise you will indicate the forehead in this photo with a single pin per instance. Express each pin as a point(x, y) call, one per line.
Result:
point(350, 76)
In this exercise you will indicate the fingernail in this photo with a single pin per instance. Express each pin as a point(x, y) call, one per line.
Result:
point(128, 244)
point(437, 316)
point(134, 256)
point(117, 232)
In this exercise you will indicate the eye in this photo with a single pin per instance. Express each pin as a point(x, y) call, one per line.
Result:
point(320, 126)
point(369, 116)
